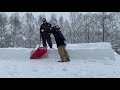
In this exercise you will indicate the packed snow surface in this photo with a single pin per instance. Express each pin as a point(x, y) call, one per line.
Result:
point(87, 61)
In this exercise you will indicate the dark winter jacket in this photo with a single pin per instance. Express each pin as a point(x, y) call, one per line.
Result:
point(45, 28)
point(59, 38)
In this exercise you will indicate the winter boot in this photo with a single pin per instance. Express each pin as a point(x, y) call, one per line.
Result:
point(68, 59)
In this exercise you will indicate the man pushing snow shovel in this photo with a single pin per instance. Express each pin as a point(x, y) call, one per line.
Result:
point(38, 52)
point(44, 35)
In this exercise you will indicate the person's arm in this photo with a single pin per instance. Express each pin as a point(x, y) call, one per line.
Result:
point(58, 27)
point(61, 35)
point(40, 30)
point(50, 28)
point(63, 38)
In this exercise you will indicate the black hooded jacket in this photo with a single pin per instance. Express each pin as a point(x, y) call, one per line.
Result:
point(59, 38)
point(45, 28)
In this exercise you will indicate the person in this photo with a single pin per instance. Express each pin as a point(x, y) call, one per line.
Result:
point(45, 33)
point(60, 41)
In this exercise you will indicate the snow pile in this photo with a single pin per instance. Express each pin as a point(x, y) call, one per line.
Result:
point(99, 45)
point(15, 63)
point(14, 53)
point(86, 51)
point(76, 51)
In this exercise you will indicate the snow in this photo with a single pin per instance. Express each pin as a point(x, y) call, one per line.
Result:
point(15, 63)
point(24, 38)
point(2, 38)
point(86, 51)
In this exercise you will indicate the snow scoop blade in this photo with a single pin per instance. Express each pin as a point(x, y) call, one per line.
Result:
point(37, 54)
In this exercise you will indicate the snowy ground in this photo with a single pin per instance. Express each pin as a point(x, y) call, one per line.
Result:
point(15, 63)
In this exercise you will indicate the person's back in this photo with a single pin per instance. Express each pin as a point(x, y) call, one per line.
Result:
point(59, 38)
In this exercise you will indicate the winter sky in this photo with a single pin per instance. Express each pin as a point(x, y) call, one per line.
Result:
point(47, 14)
point(66, 15)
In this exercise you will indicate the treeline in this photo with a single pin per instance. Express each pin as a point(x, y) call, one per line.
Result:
point(22, 31)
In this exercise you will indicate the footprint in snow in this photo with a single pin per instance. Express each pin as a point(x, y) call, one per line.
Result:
point(65, 69)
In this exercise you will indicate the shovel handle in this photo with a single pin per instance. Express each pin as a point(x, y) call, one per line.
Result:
point(40, 40)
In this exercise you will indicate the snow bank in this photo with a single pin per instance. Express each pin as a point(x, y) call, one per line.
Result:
point(15, 63)
point(76, 51)
point(14, 53)
point(99, 45)
point(86, 51)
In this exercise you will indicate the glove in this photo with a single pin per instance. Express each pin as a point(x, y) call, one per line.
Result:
point(42, 30)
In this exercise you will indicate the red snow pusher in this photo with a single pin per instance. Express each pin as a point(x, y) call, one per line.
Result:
point(37, 54)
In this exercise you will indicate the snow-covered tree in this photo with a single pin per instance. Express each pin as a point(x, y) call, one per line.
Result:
point(61, 24)
point(67, 31)
point(3, 29)
point(74, 26)
point(15, 29)
point(38, 23)
point(53, 18)
point(29, 30)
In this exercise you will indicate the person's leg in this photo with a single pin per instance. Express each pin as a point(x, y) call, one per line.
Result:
point(44, 41)
point(61, 53)
point(66, 54)
point(49, 41)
